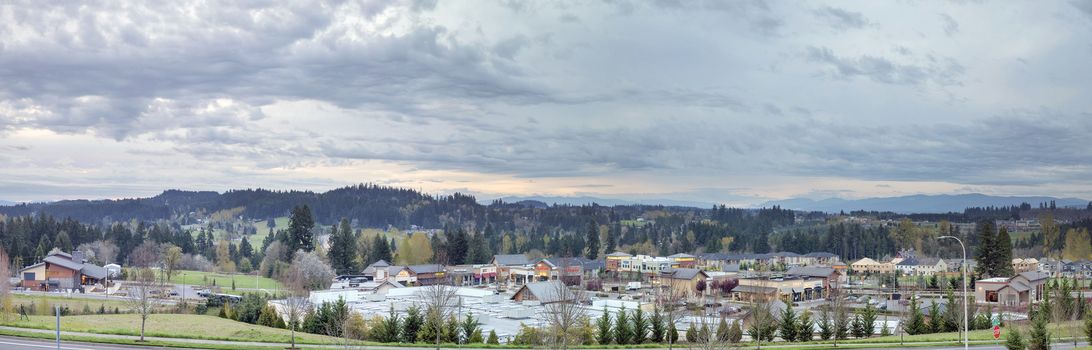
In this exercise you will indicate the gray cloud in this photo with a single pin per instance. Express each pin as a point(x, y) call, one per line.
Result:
point(270, 93)
point(941, 72)
point(842, 19)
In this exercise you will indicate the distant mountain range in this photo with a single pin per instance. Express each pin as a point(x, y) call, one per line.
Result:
point(4, 202)
point(921, 203)
point(585, 200)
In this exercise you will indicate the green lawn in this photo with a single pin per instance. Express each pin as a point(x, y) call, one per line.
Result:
point(171, 325)
point(223, 280)
point(263, 230)
point(43, 304)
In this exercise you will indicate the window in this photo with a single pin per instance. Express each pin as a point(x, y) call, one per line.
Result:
point(28, 276)
point(991, 296)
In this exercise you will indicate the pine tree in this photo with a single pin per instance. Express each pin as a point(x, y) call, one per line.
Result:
point(735, 332)
point(342, 251)
point(1003, 254)
point(640, 327)
point(952, 319)
point(1038, 337)
point(592, 240)
point(804, 330)
point(622, 333)
point(1014, 341)
point(672, 333)
point(788, 324)
point(605, 335)
point(1088, 326)
point(858, 327)
point(722, 329)
point(916, 324)
point(826, 329)
point(381, 250)
point(658, 329)
point(986, 255)
point(299, 230)
point(936, 322)
point(493, 338)
point(412, 324)
point(692, 333)
point(841, 324)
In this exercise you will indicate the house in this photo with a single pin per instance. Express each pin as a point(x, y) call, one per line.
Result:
point(1025, 265)
point(683, 280)
point(823, 258)
point(113, 270)
point(61, 271)
point(1022, 290)
point(908, 265)
point(931, 266)
point(867, 265)
point(547, 292)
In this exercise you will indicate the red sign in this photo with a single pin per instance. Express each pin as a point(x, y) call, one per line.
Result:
point(996, 332)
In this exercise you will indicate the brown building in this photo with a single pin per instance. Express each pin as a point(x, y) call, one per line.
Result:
point(1022, 290)
point(683, 280)
point(544, 292)
point(61, 271)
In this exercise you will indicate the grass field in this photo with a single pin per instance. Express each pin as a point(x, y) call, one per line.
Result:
point(43, 305)
point(170, 325)
point(222, 280)
point(263, 230)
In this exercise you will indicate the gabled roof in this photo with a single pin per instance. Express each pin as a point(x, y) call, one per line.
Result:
point(93, 271)
point(680, 256)
point(865, 261)
point(62, 262)
point(713, 256)
point(1034, 275)
point(32, 266)
point(381, 264)
point(547, 292)
point(821, 255)
point(510, 259)
point(683, 273)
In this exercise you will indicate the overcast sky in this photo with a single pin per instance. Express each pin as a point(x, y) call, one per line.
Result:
point(735, 102)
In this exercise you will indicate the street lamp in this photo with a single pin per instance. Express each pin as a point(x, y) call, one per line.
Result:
point(966, 337)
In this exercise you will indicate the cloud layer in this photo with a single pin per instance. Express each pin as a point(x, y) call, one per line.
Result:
point(711, 101)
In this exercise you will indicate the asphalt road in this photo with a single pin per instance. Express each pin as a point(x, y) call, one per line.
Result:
point(13, 343)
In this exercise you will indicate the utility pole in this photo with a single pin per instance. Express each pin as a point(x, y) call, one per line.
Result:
point(57, 309)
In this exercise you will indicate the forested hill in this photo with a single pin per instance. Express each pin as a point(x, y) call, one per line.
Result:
point(368, 205)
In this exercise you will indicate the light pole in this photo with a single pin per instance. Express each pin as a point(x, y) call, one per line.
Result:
point(966, 336)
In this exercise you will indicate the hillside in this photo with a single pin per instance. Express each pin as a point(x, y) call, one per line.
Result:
point(921, 203)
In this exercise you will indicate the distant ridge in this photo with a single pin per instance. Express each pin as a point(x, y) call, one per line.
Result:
point(921, 203)
point(585, 200)
point(4, 202)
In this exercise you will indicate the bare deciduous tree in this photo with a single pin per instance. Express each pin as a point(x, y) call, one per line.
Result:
point(143, 287)
point(296, 302)
point(564, 315)
point(172, 257)
point(441, 298)
point(671, 300)
point(5, 287)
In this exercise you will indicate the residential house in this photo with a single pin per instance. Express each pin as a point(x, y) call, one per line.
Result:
point(1025, 265)
point(377, 271)
point(61, 271)
point(931, 266)
point(867, 265)
point(907, 265)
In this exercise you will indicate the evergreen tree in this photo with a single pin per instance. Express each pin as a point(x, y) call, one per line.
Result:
point(735, 332)
point(380, 250)
point(592, 240)
point(841, 324)
point(469, 327)
point(392, 327)
point(788, 324)
point(658, 330)
point(1088, 327)
point(916, 324)
point(722, 329)
point(952, 317)
point(1038, 337)
point(493, 338)
point(692, 333)
point(858, 327)
point(412, 325)
point(826, 328)
point(985, 254)
point(605, 335)
point(1014, 341)
point(456, 246)
point(672, 333)
point(868, 317)
point(622, 334)
point(299, 230)
point(1003, 255)
point(936, 321)
point(804, 330)
point(640, 327)
point(342, 253)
